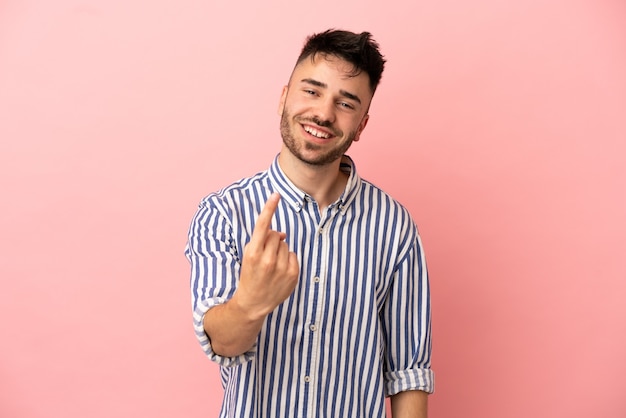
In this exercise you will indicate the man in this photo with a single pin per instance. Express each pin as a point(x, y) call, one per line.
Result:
point(309, 284)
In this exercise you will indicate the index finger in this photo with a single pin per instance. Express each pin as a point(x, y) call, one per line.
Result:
point(264, 221)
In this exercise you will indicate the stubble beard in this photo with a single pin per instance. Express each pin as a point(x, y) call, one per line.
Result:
point(298, 149)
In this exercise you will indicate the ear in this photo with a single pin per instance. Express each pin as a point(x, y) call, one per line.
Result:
point(281, 103)
point(362, 126)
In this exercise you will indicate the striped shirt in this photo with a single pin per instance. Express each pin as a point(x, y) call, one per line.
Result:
point(357, 326)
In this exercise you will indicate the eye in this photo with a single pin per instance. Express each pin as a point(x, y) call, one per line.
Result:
point(310, 92)
point(345, 105)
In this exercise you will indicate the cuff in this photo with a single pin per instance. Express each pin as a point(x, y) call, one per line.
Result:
point(198, 325)
point(415, 379)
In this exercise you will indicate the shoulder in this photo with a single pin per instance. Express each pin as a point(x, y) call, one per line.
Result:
point(241, 192)
point(386, 210)
point(377, 197)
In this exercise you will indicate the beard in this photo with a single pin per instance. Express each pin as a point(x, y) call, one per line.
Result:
point(301, 149)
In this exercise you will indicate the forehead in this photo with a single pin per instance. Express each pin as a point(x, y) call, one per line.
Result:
point(334, 72)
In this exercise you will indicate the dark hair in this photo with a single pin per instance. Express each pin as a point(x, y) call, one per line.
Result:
point(358, 49)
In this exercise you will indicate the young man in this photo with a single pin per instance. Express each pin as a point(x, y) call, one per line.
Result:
point(309, 284)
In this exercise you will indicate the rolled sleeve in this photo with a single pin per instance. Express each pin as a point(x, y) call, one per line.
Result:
point(416, 379)
point(205, 342)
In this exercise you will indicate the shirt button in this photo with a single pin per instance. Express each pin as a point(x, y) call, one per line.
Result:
point(320, 231)
point(316, 279)
point(312, 327)
point(307, 379)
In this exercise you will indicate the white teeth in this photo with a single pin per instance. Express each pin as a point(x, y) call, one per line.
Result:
point(316, 133)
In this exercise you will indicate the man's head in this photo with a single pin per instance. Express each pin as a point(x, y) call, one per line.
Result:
point(325, 106)
point(360, 50)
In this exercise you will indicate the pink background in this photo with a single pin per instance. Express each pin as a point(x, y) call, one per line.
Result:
point(500, 125)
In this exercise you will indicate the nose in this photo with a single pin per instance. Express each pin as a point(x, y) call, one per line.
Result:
point(325, 111)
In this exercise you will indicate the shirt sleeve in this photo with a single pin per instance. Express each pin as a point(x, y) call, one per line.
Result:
point(407, 324)
point(215, 266)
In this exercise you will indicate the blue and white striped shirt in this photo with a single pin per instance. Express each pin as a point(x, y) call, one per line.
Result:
point(357, 326)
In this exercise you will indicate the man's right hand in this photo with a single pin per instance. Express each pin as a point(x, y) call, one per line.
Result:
point(269, 271)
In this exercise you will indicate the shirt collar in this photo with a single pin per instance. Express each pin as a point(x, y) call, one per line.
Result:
point(296, 198)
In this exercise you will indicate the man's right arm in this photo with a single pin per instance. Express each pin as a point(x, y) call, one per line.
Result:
point(269, 274)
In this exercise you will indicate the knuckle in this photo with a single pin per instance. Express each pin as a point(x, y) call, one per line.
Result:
point(250, 256)
point(267, 263)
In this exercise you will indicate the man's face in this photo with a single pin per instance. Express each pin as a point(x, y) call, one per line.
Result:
point(323, 109)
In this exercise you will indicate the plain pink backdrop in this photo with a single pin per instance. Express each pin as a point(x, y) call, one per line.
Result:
point(500, 125)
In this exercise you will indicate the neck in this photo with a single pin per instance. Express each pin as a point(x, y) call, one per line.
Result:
point(323, 183)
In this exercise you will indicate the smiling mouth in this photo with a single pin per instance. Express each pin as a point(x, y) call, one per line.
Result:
point(318, 134)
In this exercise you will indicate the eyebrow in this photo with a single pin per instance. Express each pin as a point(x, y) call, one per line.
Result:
point(344, 93)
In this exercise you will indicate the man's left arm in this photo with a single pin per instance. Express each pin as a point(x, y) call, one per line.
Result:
point(410, 404)
point(407, 329)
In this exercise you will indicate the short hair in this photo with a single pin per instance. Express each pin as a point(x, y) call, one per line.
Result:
point(360, 50)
